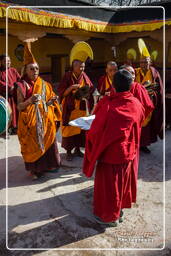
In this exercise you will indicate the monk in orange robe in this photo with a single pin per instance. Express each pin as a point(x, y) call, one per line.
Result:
point(148, 74)
point(113, 142)
point(105, 82)
point(13, 77)
point(72, 108)
point(39, 113)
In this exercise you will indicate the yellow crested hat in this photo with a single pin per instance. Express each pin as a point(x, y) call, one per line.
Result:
point(131, 54)
point(81, 51)
point(28, 56)
point(154, 55)
point(143, 49)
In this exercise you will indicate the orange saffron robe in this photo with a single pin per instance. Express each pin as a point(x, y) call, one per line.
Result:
point(27, 135)
point(142, 78)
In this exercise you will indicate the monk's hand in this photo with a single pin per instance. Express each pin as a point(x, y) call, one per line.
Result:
point(75, 86)
point(52, 100)
point(33, 99)
point(11, 90)
point(70, 89)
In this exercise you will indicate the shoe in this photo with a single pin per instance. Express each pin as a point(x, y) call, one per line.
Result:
point(69, 157)
point(53, 170)
point(145, 150)
point(34, 177)
point(110, 224)
point(10, 131)
point(121, 219)
point(78, 153)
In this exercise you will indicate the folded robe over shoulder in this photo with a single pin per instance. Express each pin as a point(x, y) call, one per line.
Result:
point(27, 133)
point(115, 133)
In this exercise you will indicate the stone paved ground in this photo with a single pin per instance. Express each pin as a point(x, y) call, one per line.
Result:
point(56, 212)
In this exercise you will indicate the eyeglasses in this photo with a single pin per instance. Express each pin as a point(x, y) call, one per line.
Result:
point(35, 68)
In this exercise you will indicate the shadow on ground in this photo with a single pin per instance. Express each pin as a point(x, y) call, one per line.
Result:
point(71, 221)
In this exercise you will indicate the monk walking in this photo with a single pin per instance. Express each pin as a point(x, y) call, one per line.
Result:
point(39, 113)
point(13, 77)
point(113, 142)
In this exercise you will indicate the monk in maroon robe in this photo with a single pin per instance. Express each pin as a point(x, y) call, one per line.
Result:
point(144, 75)
point(13, 77)
point(113, 142)
point(105, 82)
point(72, 108)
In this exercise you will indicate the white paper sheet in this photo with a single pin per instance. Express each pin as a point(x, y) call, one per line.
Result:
point(83, 122)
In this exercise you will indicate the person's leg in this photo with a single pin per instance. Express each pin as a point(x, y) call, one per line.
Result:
point(69, 155)
point(77, 152)
point(107, 194)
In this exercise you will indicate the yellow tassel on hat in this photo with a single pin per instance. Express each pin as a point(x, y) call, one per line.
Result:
point(28, 56)
point(154, 55)
point(81, 51)
point(142, 48)
point(131, 54)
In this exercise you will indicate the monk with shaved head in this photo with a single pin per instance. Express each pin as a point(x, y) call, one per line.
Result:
point(105, 82)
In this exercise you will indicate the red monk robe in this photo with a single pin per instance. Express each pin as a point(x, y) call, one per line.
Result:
point(113, 142)
point(141, 94)
point(13, 77)
point(72, 137)
point(154, 127)
point(138, 92)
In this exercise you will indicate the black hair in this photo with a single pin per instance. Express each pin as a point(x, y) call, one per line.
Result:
point(124, 66)
point(3, 56)
point(122, 80)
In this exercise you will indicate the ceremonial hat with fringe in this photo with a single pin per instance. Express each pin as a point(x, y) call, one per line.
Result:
point(81, 51)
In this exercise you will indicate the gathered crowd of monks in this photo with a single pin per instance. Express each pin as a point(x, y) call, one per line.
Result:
point(128, 118)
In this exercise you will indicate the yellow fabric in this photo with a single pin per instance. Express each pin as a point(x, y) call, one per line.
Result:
point(27, 125)
point(28, 56)
point(131, 54)
point(68, 131)
point(108, 83)
point(147, 120)
point(143, 48)
point(146, 77)
point(58, 20)
point(140, 74)
point(81, 51)
point(154, 55)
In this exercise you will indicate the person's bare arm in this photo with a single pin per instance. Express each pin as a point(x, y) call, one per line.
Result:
point(21, 104)
point(69, 89)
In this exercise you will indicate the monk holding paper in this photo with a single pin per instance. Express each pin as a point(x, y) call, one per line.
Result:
point(73, 84)
point(113, 143)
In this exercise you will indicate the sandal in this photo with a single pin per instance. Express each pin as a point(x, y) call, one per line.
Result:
point(34, 177)
point(121, 218)
point(53, 170)
point(78, 153)
point(69, 157)
point(110, 224)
